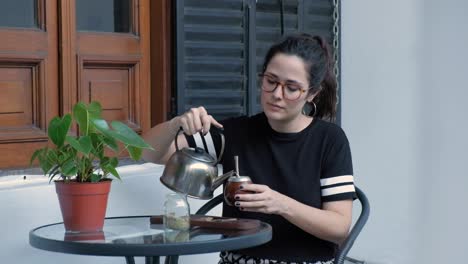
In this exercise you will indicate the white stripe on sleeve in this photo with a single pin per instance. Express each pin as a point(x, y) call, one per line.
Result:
point(198, 140)
point(210, 145)
point(338, 190)
point(337, 179)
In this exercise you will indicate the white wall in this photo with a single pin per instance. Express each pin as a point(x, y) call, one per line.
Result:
point(445, 213)
point(404, 81)
point(32, 203)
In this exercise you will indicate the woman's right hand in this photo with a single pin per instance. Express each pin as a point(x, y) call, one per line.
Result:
point(195, 120)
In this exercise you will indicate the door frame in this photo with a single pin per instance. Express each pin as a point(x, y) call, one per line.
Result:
point(161, 60)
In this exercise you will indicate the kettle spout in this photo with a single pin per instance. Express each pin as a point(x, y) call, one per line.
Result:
point(220, 179)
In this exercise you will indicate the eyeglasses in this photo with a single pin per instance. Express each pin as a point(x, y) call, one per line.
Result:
point(291, 91)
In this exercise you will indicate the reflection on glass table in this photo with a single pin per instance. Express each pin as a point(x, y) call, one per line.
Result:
point(134, 236)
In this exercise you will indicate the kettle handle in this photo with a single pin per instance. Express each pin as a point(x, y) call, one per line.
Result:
point(176, 136)
point(222, 146)
point(222, 142)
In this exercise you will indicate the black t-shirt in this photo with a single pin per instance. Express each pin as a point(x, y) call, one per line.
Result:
point(312, 166)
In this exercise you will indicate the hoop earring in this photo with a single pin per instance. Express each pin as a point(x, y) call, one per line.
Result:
point(315, 109)
point(307, 108)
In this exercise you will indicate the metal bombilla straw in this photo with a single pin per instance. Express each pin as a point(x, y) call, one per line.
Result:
point(236, 162)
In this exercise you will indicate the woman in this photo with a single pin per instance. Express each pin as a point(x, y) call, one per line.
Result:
point(300, 165)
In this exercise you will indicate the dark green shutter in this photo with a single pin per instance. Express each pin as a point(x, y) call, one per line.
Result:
point(211, 56)
point(221, 46)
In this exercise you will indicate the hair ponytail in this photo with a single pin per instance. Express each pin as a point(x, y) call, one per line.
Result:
point(326, 99)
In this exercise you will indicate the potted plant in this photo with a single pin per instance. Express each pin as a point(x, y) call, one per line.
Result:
point(80, 165)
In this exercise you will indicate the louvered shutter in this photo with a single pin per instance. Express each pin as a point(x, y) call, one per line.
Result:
point(211, 56)
point(318, 18)
point(221, 47)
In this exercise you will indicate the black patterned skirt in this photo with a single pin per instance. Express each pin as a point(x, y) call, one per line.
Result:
point(232, 258)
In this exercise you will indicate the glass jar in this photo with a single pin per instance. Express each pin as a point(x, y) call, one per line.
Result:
point(173, 236)
point(176, 212)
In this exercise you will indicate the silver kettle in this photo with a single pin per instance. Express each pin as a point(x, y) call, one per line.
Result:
point(193, 171)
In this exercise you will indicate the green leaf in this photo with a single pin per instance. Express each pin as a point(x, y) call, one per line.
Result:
point(102, 126)
point(95, 177)
point(110, 142)
point(114, 162)
point(126, 135)
point(74, 143)
point(58, 129)
point(81, 115)
point(94, 110)
point(52, 156)
point(114, 172)
point(51, 177)
point(85, 114)
point(35, 155)
point(108, 167)
point(104, 161)
point(83, 145)
point(69, 168)
point(97, 146)
point(85, 142)
point(44, 163)
point(135, 153)
point(54, 171)
point(107, 135)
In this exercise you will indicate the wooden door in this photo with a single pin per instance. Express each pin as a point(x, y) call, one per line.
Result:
point(28, 77)
point(105, 57)
point(54, 53)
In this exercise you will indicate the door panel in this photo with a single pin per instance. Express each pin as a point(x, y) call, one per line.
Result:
point(116, 83)
point(23, 109)
point(15, 103)
point(110, 52)
point(100, 83)
point(28, 77)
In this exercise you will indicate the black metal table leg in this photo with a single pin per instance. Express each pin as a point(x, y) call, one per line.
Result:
point(171, 260)
point(129, 259)
point(152, 260)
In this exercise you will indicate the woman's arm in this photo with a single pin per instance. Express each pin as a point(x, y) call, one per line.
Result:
point(161, 137)
point(330, 223)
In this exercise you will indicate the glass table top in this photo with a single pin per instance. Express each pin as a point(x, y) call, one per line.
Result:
point(136, 236)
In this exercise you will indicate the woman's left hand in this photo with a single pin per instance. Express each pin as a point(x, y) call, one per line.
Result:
point(262, 200)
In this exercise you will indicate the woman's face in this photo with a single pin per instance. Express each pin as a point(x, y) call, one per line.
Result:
point(290, 71)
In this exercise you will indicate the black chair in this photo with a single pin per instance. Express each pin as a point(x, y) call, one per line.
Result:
point(356, 229)
point(344, 247)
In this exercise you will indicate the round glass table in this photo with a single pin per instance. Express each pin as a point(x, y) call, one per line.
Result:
point(132, 236)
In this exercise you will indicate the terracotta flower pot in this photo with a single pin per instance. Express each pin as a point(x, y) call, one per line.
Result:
point(83, 205)
point(85, 236)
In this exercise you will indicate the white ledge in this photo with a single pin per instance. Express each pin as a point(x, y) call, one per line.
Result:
point(34, 180)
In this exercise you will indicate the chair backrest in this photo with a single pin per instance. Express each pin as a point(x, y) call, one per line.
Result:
point(210, 205)
point(344, 248)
